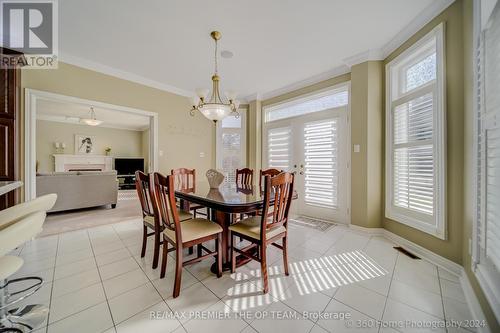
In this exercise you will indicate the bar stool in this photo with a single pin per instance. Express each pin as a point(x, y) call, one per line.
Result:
point(18, 225)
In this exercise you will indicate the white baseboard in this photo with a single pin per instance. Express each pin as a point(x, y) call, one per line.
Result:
point(472, 301)
point(452, 267)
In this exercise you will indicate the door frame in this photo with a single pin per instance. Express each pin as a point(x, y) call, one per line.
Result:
point(267, 125)
point(31, 98)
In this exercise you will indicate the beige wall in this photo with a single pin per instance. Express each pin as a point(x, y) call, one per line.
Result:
point(123, 143)
point(366, 131)
point(451, 248)
point(181, 137)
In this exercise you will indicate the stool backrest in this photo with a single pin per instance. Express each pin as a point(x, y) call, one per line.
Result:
point(278, 191)
point(40, 204)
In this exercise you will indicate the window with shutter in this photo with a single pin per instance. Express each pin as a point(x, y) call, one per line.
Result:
point(279, 148)
point(231, 146)
point(486, 243)
point(415, 154)
point(321, 169)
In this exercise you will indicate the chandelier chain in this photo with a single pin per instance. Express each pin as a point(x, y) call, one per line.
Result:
point(215, 57)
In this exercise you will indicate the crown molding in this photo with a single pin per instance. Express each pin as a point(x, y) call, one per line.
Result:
point(104, 69)
point(369, 55)
point(424, 17)
point(429, 13)
point(337, 71)
point(64, 120)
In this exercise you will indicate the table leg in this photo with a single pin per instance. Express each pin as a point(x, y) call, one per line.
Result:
point(225, 220)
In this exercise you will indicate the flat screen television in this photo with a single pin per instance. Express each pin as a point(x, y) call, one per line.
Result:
point(128, 166)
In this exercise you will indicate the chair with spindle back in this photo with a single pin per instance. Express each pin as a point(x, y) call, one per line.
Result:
point(187, 234)
point(263, 230)
point(144, 189)
point(185, 179)
point(267, 172)
point(262, 175)
point(244, 176)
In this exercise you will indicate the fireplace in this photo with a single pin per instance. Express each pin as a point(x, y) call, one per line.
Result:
point(64, 163)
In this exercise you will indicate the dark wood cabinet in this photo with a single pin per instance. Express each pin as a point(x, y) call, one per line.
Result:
point(10, 91)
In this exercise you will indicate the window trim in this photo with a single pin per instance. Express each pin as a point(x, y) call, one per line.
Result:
point(483, 273)
point(401, 215)
point(305, 98)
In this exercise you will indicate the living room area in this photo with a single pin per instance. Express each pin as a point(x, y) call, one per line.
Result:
point(88, 155)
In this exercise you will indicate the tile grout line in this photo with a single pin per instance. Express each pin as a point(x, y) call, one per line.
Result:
point(102, 284)
point(442, 300)
point(52, 284)
point(389, 290)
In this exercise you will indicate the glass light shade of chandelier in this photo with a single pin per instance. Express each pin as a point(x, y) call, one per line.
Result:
point(92, 121)
point(215, 108)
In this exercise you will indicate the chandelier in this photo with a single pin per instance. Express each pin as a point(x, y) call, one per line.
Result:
point(92, 120)
point(215, 108)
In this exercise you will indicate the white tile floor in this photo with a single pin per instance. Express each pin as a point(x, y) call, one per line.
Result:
point(95, 281)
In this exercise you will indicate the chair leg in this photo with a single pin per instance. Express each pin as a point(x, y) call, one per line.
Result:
point(144, 240)
point(233, 257)
point(164, 259)
point(218, 245)
point(263, 268)
point(178, 270)
point(199, 250)
point(156, 254)
point(190, 250)
point(285, 254)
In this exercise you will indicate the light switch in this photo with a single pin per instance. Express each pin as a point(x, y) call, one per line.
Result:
point(356, 148)
point(161, 152)
point(202, 154)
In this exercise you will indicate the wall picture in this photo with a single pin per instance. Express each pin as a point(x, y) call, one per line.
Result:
point(84, 144)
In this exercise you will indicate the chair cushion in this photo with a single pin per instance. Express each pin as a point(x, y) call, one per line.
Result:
point(251, 227)
point(9, 265)
point(195, 229)
point(183, 216)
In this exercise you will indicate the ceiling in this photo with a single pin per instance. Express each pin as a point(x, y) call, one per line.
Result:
point(166, 43)
point(72, 113)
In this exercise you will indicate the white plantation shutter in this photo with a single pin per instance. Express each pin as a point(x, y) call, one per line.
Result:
point(413, 155)
point(231, 151)
point(231, 146)
point(492, 139)
point(415, 152)
point(279, 148)
point(486, 250)
point(321, 169)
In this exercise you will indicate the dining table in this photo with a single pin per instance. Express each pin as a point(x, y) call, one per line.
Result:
point(224, 204)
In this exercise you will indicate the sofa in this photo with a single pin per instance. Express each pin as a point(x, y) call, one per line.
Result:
point(79, 189)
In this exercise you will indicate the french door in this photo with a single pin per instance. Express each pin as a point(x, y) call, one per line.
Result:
point(316, 148)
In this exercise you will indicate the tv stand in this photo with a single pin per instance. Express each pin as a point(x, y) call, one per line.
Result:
point(126, 182)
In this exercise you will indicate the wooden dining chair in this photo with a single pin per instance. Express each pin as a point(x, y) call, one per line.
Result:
point(185, 179)
point(151, 221)
point(244, 176)
point(267, 172)
point(179, 235)
point(262, 231)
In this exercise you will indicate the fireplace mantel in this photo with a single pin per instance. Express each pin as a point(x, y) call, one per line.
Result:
point(66, 162)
